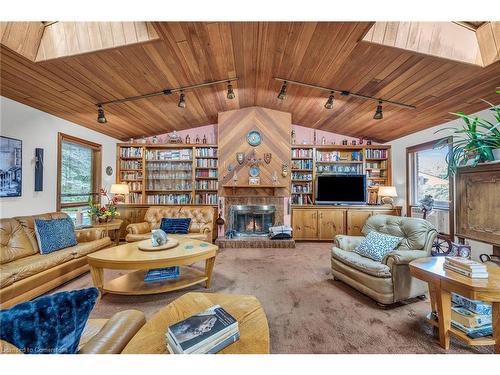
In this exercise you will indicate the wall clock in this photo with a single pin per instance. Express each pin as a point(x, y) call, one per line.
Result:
point(254, 171)
point(254, 138)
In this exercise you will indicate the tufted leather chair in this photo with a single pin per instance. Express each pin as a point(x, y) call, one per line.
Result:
point(201, 228)
point(25, 273)
point(388, 281)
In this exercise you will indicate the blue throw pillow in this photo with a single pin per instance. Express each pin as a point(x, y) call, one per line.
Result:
point(375, 245)
point(55, 234)
point(50, 324)
point(178, 225)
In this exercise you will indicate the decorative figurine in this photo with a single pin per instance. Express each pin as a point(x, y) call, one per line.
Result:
point(204, 141)
point(143, 140)
point(284, 170)
point(174, 137)
point(131, 140)
point(293, 136)
point(154, 140)
point(353, 142)
point(344, 142)
point(188, 139)
point(361, 141)
point(323, 140)
point(267, 157)
point(197, 139)
point(368, 142)
point(158, 237)
point(314, 137)
point(240, 157)
point(275, 178)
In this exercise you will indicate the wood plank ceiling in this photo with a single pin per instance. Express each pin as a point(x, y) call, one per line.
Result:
point(326, 53)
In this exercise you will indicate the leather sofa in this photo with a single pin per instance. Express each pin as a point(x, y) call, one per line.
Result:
point(388, 281)
point(201, 228)
point(25, 273)
point(101, 336)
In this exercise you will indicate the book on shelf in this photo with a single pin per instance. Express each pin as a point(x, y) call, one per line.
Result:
point(468, 318)
point(476, 306)
point(466, 267)
point(206, 332)
point(471, 274)
point(169, 273)
point(474, 333)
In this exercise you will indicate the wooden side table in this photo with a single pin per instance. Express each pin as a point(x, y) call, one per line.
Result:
point(443, 282)
point(112, 226)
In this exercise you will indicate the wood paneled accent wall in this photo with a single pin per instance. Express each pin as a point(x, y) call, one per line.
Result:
point(22, 37)
point(274, 127)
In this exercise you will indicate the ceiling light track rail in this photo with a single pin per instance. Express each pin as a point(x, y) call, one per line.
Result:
point(344, 93)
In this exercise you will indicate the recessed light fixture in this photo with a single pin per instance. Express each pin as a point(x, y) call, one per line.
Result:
point(182, 101)
point(378, 112)
point(101, 117)
point(329, 102)
point(282, 93)
point(230, 91)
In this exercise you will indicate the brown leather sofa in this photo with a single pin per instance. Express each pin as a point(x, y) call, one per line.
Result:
point(101, 336)
point(388, 281)
point(25, 273)
point(202, 222)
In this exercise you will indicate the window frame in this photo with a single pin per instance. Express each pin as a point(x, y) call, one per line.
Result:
point(96, 168)
point(410, 182)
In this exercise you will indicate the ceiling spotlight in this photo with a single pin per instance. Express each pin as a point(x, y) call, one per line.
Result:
point(101, 118)
point(329, 102)
point(282, 93)
point(378, 113)
point(230, 91)
point(182, 101)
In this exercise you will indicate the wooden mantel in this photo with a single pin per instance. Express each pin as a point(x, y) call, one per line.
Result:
point(255, 190)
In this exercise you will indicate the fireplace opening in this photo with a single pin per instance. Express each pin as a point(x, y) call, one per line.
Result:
point(250, 220)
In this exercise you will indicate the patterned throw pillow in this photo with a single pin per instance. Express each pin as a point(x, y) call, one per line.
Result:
point(50, 324)
point(55, 234)
point(177, 225)
point(375, 245)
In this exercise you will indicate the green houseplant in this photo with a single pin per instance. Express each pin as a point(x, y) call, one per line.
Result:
point(477, 141)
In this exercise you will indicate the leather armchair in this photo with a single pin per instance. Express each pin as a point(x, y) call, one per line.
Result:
point(101, 336)
point(388, 281)
point(201, 228)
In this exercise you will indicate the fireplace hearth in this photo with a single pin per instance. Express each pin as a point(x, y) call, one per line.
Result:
point(250, 220)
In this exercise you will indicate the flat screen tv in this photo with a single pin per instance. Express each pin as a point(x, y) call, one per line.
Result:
point(341, 189)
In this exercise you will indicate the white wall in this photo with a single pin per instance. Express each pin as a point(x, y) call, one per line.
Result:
point(399, 164)
point(39, 129)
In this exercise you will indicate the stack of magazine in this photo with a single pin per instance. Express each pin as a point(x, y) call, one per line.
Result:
point(471, 317)
point(204, 333)
point(466, 267)
point(157, 274)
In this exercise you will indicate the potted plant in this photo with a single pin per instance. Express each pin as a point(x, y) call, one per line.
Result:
point(478, 141)
point(103, 213)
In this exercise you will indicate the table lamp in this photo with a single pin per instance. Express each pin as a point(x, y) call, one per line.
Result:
point(387, 193)
point(119, 190)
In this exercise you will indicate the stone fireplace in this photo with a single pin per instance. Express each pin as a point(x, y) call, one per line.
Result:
point(250, 220)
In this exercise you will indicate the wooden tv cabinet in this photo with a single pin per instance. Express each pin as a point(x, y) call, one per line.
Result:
point(322, 223)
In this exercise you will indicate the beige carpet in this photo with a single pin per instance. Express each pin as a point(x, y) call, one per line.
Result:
point(308, 312)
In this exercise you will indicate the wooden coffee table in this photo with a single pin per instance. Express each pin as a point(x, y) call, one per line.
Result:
point(129, 257)
point(443, 282)
point(252, 323)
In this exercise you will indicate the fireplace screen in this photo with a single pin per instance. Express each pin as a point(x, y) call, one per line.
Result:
point(251, 220)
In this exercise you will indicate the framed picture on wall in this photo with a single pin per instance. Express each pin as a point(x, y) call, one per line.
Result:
point(11, 167)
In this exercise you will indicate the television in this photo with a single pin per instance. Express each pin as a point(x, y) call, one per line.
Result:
point(341, 189)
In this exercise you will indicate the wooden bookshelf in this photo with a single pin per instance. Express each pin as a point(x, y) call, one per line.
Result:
point(169, 173)
point(310, 161)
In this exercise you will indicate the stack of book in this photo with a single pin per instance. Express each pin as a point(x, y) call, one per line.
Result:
point(466, 267)
point(169, 273)
point(205, 333)
point(471, 316)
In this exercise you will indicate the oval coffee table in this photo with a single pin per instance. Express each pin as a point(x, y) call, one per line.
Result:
point(247, 310)
point(129, 257)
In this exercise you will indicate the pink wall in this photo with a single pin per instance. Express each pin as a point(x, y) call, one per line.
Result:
point(209, 130)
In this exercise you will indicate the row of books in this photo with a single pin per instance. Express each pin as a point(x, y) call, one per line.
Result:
point(206, 151)
point(131, 176)
point(302, 164)
point(168, 166)
point(206, 198)
point(302, 176)
point(177, 154)
point(302, 188)
point(376, 154)
point(301, 199)
point(131, 164)
point(170, 185)
point(135, 198)
point(472, 317)
point(333, 156)
point(168, 199)
point(207, 332)
point(207, 184)
point(206, 163)
point(169, 273)
point(302, 153)
point(466, 267)
point(210, 173)
point(134, 185)
point(131, 152)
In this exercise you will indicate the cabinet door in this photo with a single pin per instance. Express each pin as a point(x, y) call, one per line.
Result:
point(305, 224)
point(356, 220)
point(330, 223)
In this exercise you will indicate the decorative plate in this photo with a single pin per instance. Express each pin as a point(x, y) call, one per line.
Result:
point(146, 245)
point(254, 171)
point(254, 138)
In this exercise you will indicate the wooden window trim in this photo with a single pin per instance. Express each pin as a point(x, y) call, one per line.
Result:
point(409, 180)
point(96, 166)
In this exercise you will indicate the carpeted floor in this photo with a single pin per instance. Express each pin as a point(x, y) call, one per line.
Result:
point(307, 311)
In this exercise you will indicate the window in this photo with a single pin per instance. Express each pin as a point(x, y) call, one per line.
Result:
point(78, 175)
point(426, 175)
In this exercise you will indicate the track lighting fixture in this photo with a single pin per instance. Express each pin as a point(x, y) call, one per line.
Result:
point(182, 101)
point(169, 91)
point(282, 93)
point(378, 112)
point(230, 91)
point(101, 118)
point(329, 102)
point(345, 93)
